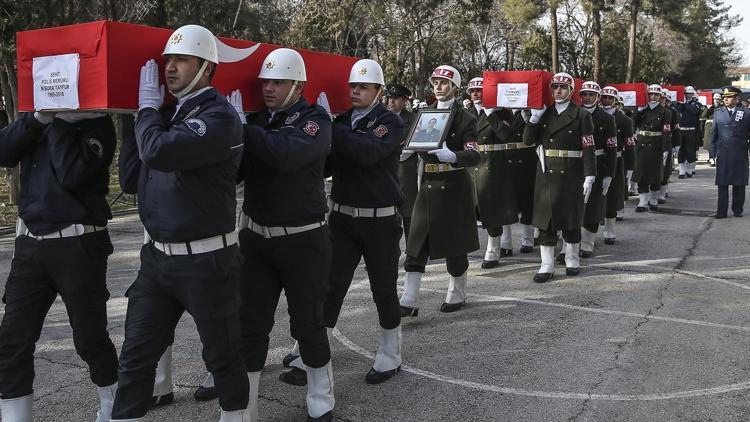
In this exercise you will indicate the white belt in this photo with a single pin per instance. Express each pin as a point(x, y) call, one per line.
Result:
point(502, 147)
point(269, 232)
point(209, 244)
point(599, 152)
point(440, 168)
point(687, 128)
point(561, 153)
point(70, 231)
point(364, 212)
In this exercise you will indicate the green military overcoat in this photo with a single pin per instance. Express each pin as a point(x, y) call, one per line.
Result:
point(605, 140)
point(649, 146)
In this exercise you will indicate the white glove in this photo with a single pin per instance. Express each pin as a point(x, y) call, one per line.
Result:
point(605, 185)
point(628, 174)
point(675, 151)
point(467, 104)
point(323, 102)
point(664, 157)
point(526, 114)
point(536, 114)
point(150, 94)
point(588, 182)
point(44, 117)
point(73, 117)
point(235, 99)
point(641, 108)
point(444, 154)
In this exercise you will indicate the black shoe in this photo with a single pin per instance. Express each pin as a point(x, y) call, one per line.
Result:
point(585, 254)
point(294, 376)
point(375, 377)
point(652, 207)
point(717, 215)
point(609, 240)
point(682, 176)
point(327, 417)
point(641, 209)
point(572, 271)
point(205, 393)
point(560, 258)
point(542, 277)
point(737, 214)
point(490, 264)
point(536, 241)
point(288, 359)
point(451, 307)
point(619, 218)
point(689, 174)
point(164, 400)
point(407, 312)
point(506, 252)
point(527, 249)
point(661, 201)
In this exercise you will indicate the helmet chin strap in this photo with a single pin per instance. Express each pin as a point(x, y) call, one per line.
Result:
point(192, 83)
point(442, 98)
point(289, 95)
point(376, 99)
point(567, 98)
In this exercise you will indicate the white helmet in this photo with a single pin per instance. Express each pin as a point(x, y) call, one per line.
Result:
point(655, 89)
point(283, 63)
point(475, 83)
point(610, 91)
point(591, 86)
point(689, 90)
point(367, 71)
point(193, 40)
point(717, 96)
point(665, 93)
point(563, 78)
point(447, 72)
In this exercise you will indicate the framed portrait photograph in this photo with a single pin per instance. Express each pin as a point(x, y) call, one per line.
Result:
point(429, 130)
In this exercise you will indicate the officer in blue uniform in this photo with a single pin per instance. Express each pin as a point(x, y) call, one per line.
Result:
point(183, 164)
point(729, 144)
point(61, 247)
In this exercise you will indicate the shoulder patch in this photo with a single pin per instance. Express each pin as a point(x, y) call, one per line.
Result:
point(471, 145)
point(95, 146)
point(612, 142)
point(380, 131)
point(587, 141)
point(666, 128)
point(291, 118)
point(196, 125)
point(311, 128)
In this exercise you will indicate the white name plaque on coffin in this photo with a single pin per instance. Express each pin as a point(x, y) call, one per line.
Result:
point(512, 95)
point(56, 82)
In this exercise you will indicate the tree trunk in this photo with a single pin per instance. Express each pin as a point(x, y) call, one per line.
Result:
point(634, 8)
point(554, 34)
point(597, 28)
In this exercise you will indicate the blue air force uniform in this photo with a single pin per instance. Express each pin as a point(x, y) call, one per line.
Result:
point(729, 144)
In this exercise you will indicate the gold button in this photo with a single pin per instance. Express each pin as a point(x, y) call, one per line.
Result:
point(429, 186)
point(442, 187)
point(570, 131)
point(562, 171)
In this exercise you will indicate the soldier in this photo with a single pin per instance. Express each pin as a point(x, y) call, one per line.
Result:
point(653, 142)
point(707, 116)
point(61, 247)
point(186, 154)
point(444, 220)
point(729, 145)
point(564, 136)
point(690, 110)
point(625, 160)
point(605, 141)
point(474, 89)
point(671, 106)
point(398, 97)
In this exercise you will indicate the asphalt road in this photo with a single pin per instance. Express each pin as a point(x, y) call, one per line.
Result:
point(656, 328)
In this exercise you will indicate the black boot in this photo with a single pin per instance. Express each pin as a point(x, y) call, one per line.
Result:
point(407, 312)
point(375, 377)
point(294, 376)
point(205, 393)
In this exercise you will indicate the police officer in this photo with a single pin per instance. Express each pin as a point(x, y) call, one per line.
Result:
point(605, 142)
point(708, 120)
point(444, 220)
point(283, 218)
point(364, 220)
point(653, 144)
point(675, 136)
point(61, 247)
point(690, 112)
point(729, 144)
point(564, 136)
point(185, 155)
point(398, 97)
point(625, 161)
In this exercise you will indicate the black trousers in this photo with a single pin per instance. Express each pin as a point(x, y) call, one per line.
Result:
point(549, 237)
point(457, 265)
point(738, 200)
point(644, 188)
point(205, 285)
point(407, 224)
point(689, 144)
point(299, 265)
point(76, 268)
point(377, 240)
point(494, 231)
point(593, 227)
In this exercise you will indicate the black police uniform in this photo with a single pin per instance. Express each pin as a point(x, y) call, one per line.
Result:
point(64, 183)
point(691, 111)
point(183, 166)
point(285, 240)
point(364, 221)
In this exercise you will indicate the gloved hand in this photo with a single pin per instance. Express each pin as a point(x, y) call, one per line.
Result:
point(588, 182)
point(444, 154)
point(676, 151)
point(235, 99)
point(641, 108)
point(150, 94)
point(536, 114)
point(605, 185)
point(628, 174)
point(467, 104)
point(44, 117)
point(323, 102)
point(526, 114)
point(664, 157)
point(73, 116)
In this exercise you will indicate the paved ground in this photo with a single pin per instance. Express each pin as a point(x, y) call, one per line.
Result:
point(656, 328)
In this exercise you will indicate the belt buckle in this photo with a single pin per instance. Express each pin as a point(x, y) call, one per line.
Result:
point(355, 212)
point(432, 168)
point(511, 146)
point(562, 154)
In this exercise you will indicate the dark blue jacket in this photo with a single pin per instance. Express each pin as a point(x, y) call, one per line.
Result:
point(691, 112)
point(184, 168)
point(283, 165)
point(64, 170)
point(364, 160)
point(729, 144)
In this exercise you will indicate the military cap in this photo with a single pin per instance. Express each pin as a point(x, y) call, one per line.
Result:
point(396, 90)
point(730, 91)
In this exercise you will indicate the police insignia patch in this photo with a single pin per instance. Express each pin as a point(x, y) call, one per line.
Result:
point(612, 142)
point(96, 146)
point(311, 128)
point(291, 118)
point(587, 141)
point(380, 131)
point(196, 125)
